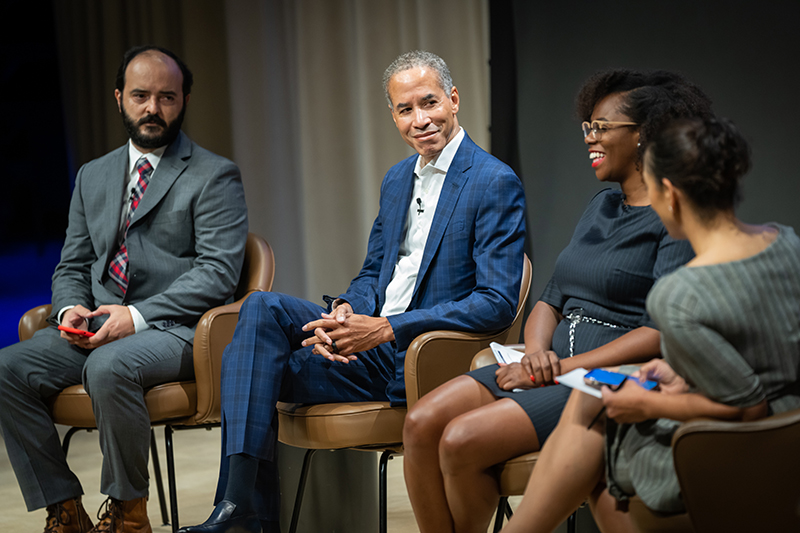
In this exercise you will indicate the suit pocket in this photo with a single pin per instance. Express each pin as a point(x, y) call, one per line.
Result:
point(170, 217)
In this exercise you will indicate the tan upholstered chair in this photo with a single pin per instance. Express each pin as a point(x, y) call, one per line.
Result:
point(180, 404)
point(432, 359)
point(734, 477)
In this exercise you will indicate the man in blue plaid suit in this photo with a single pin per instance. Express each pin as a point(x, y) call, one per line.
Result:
point(446, 252)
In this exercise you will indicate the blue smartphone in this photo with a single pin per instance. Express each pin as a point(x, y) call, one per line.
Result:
point(598, 377)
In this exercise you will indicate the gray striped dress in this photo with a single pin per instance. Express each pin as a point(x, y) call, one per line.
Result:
point(732, 331)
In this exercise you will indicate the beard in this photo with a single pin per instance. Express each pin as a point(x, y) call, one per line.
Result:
point(147, 140)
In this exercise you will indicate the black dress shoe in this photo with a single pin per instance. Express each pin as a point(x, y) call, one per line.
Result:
point(223, 521)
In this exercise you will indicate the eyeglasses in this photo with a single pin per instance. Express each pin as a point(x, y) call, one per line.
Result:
point(599, 127)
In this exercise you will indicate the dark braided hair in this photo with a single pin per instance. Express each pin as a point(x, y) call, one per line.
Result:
point(651, 99)
point(705, 159)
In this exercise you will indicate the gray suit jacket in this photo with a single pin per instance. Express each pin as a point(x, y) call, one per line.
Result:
point(185, 242)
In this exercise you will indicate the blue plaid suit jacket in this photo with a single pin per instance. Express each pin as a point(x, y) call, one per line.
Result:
point(470, 272)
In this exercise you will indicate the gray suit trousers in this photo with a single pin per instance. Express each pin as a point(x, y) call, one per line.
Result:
point(115, 376)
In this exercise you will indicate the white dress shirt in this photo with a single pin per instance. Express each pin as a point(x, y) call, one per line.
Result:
point(428, 181)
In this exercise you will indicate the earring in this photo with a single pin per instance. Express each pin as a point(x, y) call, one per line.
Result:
point(638, 145)
point(670, 208)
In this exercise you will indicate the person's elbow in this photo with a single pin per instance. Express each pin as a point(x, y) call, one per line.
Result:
point(755, 412)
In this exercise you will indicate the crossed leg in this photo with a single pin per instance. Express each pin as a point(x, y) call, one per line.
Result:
point(570, 469)
point(453, 437)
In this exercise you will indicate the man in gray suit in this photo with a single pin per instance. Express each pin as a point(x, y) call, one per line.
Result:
point(156, 236)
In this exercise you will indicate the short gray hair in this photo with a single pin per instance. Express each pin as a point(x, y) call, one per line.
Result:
point(414, 59)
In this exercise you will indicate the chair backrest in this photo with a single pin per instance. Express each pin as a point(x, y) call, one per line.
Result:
point(258, 269)
point(32, 321)
point(215, 328)
point(740, 476)
point(524, 291)
point(435, 357)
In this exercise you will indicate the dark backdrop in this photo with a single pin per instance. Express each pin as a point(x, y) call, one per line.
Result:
point(744, 54)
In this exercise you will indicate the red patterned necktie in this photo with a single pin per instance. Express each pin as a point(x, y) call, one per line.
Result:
point(118, 268)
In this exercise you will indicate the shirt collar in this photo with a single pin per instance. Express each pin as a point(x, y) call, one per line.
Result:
point(134, 155)
point(443, 160)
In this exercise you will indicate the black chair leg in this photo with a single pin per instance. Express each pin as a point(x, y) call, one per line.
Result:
point(503, 509)
point(173, 489)
point(383, 467)
point(68, 437)
point(159, 482)
point(572, 522)
point(301, 487)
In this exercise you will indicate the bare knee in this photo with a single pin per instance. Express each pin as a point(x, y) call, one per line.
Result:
point(423, 427)
point(459, 447)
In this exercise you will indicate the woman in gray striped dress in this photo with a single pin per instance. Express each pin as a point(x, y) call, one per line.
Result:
point(593, 308)
point(730, 337)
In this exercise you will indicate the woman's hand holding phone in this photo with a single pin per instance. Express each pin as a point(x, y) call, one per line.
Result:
point(669, 382)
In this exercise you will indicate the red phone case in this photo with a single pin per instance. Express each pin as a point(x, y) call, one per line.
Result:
point(76, 331)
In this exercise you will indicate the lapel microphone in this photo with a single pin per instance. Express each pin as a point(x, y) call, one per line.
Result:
point(419, 209)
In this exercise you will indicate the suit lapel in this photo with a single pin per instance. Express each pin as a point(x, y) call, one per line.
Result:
point(457, 176)
point(172, 164)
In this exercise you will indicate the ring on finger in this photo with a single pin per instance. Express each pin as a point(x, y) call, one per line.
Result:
point(334, 347)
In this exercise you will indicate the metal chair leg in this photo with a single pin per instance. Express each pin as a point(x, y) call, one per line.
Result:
point(173, 489)
point(572, 522)
point(159, 482)
point(301, 487)
point(383, 467)
point(503, 509)
point(68, 437)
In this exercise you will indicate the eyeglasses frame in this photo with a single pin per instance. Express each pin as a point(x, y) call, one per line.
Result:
point(593, 131)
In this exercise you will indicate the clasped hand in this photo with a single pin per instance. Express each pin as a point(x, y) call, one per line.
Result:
point(118, 325)
point(340, 334)
point(543, 366)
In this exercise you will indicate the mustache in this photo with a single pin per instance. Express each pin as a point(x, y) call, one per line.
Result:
point(151, 119)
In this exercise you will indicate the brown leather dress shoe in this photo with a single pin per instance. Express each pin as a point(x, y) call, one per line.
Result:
point(67, 517)
point(123, 517)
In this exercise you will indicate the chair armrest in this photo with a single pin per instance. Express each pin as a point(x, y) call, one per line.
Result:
point(214, 332)
point(707, 425)
point(485, 357)
point(33, 320)
point(438, 356)
point(740, 465)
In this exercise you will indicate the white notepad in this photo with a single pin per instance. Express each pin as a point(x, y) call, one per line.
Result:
point(504, 354)
point(574, 379)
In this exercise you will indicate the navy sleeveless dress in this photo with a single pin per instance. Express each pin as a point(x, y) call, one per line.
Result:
point(601, 280)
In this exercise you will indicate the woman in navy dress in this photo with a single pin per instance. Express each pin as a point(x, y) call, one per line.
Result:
point(591, 314)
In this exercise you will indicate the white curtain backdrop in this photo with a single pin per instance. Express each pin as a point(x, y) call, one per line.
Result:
point(311, 130)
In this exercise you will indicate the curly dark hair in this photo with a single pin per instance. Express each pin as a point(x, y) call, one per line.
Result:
point(188, 79)
point(651, 99)
point(705, 159)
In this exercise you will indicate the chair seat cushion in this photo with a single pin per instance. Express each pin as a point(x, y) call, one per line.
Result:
point(340, 425)
point(515, 474)
point(73, 407)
